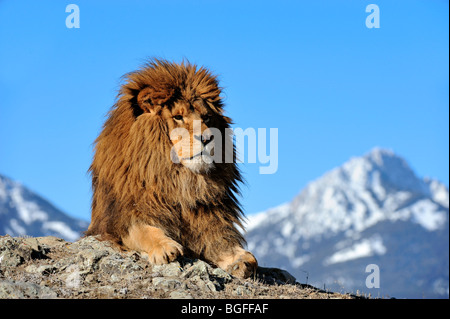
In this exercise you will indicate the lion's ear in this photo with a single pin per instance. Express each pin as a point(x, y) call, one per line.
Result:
point(151, 99)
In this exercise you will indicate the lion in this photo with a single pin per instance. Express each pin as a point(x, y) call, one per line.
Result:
point(161, 194)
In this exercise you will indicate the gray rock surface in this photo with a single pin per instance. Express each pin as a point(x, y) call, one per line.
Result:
point(49, 267)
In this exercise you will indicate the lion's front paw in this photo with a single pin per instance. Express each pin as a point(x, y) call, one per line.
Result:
point(244, 266)
point(152, 240)
point(165, 252)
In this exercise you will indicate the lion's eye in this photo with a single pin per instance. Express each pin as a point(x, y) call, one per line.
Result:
point(178, 117)
point(207, 119)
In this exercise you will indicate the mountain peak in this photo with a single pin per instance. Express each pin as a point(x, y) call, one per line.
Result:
point(378, 153)
point(383, 166)
point(387, 159)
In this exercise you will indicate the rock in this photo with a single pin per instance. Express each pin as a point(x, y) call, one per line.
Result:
point(242, 291)
point(170, 270)
point(123, 291)
point(106, 291)
point(49, 267)
point(51, 241)
point(14, 252)
point(118, 264)
point(198, 268)
point(9, 259)
point(32, 243)
point(89, 258)
point(41, 270)
point(21, 290)
point(180, 294)
point(204, 284)
point(222, 274)
point(166, 284)
point(74, 276)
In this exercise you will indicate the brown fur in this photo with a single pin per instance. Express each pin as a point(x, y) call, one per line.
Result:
point(144, 201)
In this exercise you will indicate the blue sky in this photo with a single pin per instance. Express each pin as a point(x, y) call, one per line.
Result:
point(333, 87)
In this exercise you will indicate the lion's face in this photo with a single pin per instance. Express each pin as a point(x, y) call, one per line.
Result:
point(190, 134)
point(190, 124)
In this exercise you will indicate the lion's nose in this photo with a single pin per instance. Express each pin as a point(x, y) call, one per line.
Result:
point(207, 138)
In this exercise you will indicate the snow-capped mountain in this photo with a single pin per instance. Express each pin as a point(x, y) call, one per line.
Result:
point(373, 210)
point(22, 212)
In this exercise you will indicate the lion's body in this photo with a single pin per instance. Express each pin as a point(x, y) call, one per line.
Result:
point(141, 197)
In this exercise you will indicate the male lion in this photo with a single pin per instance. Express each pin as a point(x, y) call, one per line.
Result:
point(156, 193)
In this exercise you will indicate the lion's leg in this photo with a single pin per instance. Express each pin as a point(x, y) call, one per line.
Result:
point(238, 262)
point(152, 240)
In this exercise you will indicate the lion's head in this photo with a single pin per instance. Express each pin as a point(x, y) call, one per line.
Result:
point(187, 101)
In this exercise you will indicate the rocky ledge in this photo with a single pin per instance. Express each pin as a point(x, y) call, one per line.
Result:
point(49, 267)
